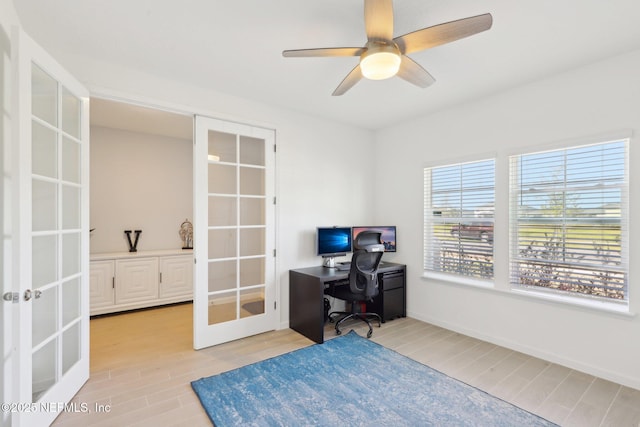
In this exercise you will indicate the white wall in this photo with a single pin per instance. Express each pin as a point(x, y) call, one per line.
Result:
point(597, 99)
point(139, 182)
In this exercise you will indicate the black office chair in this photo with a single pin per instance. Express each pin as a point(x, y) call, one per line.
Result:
point(363, 280)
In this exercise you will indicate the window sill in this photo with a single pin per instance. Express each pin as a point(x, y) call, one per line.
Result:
point(586, 303)
point(460, 280)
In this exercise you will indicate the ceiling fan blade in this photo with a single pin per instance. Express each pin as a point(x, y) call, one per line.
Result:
point(352, 78)
point(413, 72)
point(437, 35)
point(378, 19)
point(327, 51)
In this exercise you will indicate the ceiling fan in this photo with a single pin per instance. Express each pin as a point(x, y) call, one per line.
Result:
point(384, 56)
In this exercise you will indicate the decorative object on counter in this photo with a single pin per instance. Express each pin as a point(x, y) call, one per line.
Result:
point(186, 234)
point(132, 246)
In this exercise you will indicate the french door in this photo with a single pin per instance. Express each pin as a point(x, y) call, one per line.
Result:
point(234, 231)
point(50, 326)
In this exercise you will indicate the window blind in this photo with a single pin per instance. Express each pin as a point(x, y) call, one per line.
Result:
point(568, 220)
point(458, 213)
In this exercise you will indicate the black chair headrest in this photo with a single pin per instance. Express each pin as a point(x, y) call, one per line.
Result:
point(379, 247)
point(370, 241)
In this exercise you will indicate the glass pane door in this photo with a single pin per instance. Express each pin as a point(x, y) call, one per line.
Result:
point(235, 226)
point(56, 233)
point(50, 221)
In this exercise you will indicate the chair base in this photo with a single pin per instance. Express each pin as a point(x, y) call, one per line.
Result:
point(347, 315)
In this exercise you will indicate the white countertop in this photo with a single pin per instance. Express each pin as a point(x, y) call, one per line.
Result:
point(139, 254)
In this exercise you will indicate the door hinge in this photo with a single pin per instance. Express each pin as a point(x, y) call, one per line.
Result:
point(275, 305)
point(13, 297)
point(274, 252)
point(160, 277)
point(274, 148)
point(274, 200)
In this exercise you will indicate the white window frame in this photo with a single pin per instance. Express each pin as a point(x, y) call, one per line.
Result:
point(517, 259)
point(433, 242)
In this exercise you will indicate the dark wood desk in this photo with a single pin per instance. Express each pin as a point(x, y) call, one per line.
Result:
point(306, 296)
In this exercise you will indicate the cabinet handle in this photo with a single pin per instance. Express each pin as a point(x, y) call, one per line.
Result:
point(161, 277)
point(113, 282)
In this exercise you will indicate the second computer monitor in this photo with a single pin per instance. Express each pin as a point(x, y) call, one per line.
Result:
point(388, 235)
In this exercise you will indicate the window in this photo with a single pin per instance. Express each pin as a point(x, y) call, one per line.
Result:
point(458, 214)
point(568, 221)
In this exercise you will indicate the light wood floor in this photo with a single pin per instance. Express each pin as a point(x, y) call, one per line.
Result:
point(142, 364)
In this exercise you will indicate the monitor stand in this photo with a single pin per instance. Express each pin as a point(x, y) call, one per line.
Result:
point(329, 262)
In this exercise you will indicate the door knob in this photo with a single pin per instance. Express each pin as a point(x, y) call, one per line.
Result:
point(28, 294)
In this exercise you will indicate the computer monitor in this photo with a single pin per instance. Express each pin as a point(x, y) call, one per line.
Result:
point(332, 242)
point(388, 236)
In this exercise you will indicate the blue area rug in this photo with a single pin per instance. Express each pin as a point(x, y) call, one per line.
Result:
point(350, 381)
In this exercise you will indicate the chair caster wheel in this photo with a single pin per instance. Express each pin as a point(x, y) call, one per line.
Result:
point(338, 332)
point(369, 334)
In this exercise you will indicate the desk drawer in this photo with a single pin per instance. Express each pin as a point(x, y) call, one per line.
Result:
point(392, 280)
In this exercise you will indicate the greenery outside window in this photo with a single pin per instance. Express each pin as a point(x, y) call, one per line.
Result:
point(459, 219)
point(568, 221)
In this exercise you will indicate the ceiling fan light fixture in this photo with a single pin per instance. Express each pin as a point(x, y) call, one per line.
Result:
point(380, 62)
point(384, 56)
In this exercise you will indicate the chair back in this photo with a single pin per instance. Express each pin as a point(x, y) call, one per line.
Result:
point(363, 276)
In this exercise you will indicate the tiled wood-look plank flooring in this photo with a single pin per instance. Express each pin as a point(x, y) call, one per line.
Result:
point(142, 364)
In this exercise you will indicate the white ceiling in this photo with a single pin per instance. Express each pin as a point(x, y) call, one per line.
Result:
point(235, 47)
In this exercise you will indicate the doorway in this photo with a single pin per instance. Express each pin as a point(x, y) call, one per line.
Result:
point(146, 168)
point(141, 178)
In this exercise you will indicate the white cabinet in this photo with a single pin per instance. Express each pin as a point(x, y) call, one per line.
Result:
point(102, 284)
point(136, 280)
point(176, 276)
point(126, 281)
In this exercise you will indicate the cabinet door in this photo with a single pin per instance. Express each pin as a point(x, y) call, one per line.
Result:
point(392, 295)
point(136, 280)
point(393, 304)
point(176, 276)
point(101, 283)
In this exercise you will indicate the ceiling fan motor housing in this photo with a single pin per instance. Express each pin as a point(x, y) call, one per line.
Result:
point(381, 60)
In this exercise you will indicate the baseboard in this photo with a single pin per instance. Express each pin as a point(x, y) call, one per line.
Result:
point(531, 351)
